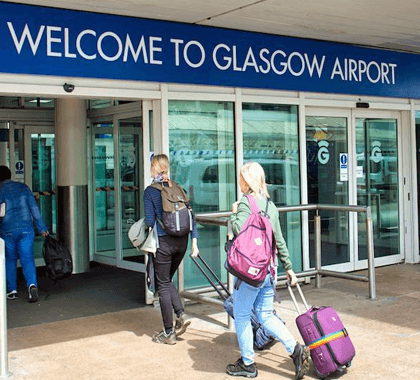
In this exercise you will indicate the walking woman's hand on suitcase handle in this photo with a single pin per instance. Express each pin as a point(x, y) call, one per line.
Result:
point(194, 248)
point(291, 276)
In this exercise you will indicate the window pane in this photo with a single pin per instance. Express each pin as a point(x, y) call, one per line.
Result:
point(201, 147)
point(270, 137)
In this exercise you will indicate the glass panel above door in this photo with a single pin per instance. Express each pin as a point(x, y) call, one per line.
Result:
point(377, 183)
point(326, 147)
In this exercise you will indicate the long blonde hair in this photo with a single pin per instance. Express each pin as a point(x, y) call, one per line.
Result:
point(254, 176)
point(160, 165)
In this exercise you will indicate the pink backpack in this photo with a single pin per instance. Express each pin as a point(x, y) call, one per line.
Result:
point(252, 251)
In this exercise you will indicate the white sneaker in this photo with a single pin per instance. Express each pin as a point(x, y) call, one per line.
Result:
point(33, 293)
point(181, 324)
point(12, 295)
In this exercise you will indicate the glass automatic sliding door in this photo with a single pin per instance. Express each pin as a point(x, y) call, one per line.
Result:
point(39, 173)
point(371, 138)
point(131, 178)
point(104, 191)
point(328, 183)
point(118, 182)
point(378, 185)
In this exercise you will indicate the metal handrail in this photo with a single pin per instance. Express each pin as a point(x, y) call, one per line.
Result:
point(221, 218)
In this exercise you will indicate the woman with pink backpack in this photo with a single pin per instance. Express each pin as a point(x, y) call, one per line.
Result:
point(261, 298)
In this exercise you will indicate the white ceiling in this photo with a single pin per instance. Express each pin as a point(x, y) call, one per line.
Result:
point(386, 24)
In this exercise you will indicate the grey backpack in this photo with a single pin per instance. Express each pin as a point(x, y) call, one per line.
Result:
point(177, 216)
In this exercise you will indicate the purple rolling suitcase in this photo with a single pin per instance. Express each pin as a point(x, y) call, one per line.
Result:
point(323, 332)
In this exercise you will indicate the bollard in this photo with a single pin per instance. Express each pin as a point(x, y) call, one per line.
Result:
point(3, 316)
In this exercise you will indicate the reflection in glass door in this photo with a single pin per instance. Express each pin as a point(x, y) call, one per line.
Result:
point(326, 147)
point(377, 183)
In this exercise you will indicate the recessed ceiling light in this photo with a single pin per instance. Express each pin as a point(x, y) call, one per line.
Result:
point(40, 100)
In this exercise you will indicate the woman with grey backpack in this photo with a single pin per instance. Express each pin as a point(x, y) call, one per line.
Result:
point(172, 247)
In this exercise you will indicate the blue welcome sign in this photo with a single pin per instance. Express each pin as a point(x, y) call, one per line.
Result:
point(49, 41)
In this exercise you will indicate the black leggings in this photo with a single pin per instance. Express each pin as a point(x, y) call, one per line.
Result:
point(168, 258)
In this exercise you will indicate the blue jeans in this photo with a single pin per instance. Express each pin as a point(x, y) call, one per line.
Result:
point(19, 244)
point(262, 299)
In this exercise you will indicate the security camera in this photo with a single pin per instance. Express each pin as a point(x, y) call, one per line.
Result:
point(68, 87)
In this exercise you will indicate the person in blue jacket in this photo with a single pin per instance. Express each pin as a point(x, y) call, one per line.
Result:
point(16, 229)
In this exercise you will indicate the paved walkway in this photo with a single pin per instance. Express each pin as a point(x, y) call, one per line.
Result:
point(118, 346)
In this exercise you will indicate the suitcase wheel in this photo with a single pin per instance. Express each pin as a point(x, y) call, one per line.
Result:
point(320, 375)
point(348, 365)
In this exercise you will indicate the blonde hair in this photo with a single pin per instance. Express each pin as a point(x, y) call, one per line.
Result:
point(160, 165)
point(254, 176)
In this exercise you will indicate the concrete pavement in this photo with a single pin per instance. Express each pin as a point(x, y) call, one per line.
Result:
point(118, 346)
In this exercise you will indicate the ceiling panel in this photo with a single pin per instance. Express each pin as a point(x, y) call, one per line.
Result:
point(378, 23)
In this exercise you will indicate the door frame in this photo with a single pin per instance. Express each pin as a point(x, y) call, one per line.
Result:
point(351, 114)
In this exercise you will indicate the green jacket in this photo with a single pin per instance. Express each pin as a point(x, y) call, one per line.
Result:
point(244, 210)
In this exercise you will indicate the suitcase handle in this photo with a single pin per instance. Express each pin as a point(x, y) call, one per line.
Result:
point(289, 287)
point(223, 296)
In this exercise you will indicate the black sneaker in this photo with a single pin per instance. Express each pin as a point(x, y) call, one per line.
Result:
point(240, 369)
point(181, 324)
point(164, 338)
point(300, 359)
point(33, 293)
point(12, 295)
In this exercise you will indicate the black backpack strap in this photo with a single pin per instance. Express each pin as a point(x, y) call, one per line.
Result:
point(265, 213)
point(238, 283)
point(158, 186)
point(161, 223)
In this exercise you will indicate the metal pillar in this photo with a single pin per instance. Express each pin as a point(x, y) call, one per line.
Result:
point(72, 180)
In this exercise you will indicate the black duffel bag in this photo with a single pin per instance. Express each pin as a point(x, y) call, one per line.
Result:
point(57, 258)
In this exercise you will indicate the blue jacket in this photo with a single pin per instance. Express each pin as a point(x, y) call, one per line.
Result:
point(21, 208)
